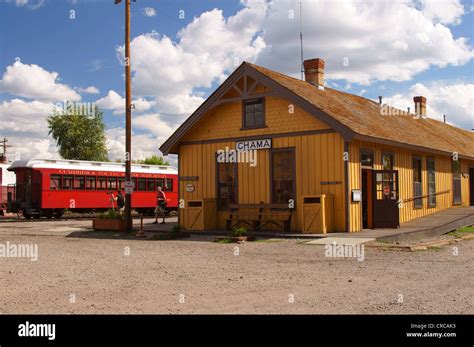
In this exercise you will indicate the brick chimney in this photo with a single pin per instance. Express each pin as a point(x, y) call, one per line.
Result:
point(420, 105)
point(314, 71)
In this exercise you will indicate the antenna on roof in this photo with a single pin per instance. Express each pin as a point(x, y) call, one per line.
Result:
point(301, 42)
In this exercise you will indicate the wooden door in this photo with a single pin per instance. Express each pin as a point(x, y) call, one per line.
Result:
point(385, 199)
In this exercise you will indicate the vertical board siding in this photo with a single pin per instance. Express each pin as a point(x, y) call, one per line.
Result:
point(403, 163)
point(465, 182)
point(225, 121)
point(318, 158)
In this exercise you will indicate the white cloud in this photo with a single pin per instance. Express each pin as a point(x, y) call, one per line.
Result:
point(21, 117)
point(455, 100)
point(380, 40)
point(24, 124)
point(155, 125)
point(143, 145)
point(31, 147)
point(149, 12)
point(446, 11)
point(89, 90)
point(31, 4)
point(34, 82)
point(113, 101)
point(208, 48)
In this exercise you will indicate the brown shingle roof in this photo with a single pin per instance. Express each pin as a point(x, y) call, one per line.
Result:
point(364, 117)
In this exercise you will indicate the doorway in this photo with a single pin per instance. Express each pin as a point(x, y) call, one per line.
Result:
point(385, 199)
point(367, 199)
point(471, 186)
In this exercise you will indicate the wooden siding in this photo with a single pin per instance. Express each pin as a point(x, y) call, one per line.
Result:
point(225, 121)
point(465, 165)
point(319, 158)
point(403, 163)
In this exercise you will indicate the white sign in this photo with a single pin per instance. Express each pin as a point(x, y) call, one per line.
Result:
point(250, 145)
point(129, 184)
point(356, 195)
point(128, 190)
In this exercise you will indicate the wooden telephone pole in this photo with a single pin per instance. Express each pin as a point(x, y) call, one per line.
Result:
point(3, 153)
point(128, 121)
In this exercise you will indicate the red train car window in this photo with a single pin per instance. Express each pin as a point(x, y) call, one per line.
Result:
point(79, 182)
point(150, 184)
point(55, 182)
point(90, 182)
point(101, 183)
point(112, 183)
point(169, 185)
point(141, 184)
point(160, 183)
point(67, 182)
point(121, 183)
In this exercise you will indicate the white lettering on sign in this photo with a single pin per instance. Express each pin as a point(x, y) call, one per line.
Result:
point(243, 146)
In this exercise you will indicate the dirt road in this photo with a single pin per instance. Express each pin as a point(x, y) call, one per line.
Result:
point(93, 275)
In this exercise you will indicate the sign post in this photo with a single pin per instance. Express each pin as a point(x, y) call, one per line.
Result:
point(129, 187)
point(128, 118)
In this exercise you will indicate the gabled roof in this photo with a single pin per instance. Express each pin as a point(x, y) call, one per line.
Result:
point(351, 115)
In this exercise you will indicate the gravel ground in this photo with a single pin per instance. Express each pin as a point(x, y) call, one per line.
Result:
point(198, 276)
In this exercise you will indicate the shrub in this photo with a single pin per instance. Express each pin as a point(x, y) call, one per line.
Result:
point(110, 214)
point(224, 240)
point(242, 231)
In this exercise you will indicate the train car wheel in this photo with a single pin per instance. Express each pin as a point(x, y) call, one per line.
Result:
point(58, 214)
point(26, 215)
point(47, 213)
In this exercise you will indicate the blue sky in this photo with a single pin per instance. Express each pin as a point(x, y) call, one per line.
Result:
point(394, 49)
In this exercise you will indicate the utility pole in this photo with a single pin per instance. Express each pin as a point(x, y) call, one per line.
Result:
point(128, 121)
point(3, 153)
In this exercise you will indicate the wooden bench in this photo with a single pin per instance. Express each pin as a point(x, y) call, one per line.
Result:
point(256, 216)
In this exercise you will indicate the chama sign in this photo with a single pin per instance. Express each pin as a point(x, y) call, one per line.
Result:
point(253, 145)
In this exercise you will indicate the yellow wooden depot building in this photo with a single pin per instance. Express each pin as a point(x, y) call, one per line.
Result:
point(340, 161)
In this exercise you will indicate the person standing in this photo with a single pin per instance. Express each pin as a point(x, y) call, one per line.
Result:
point(120, 201)
point(160, 205)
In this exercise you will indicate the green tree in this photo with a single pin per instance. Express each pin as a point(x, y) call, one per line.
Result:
point(79, 136)
point(155, 160)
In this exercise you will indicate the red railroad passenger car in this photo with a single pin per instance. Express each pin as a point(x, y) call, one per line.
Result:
point(49, 187)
